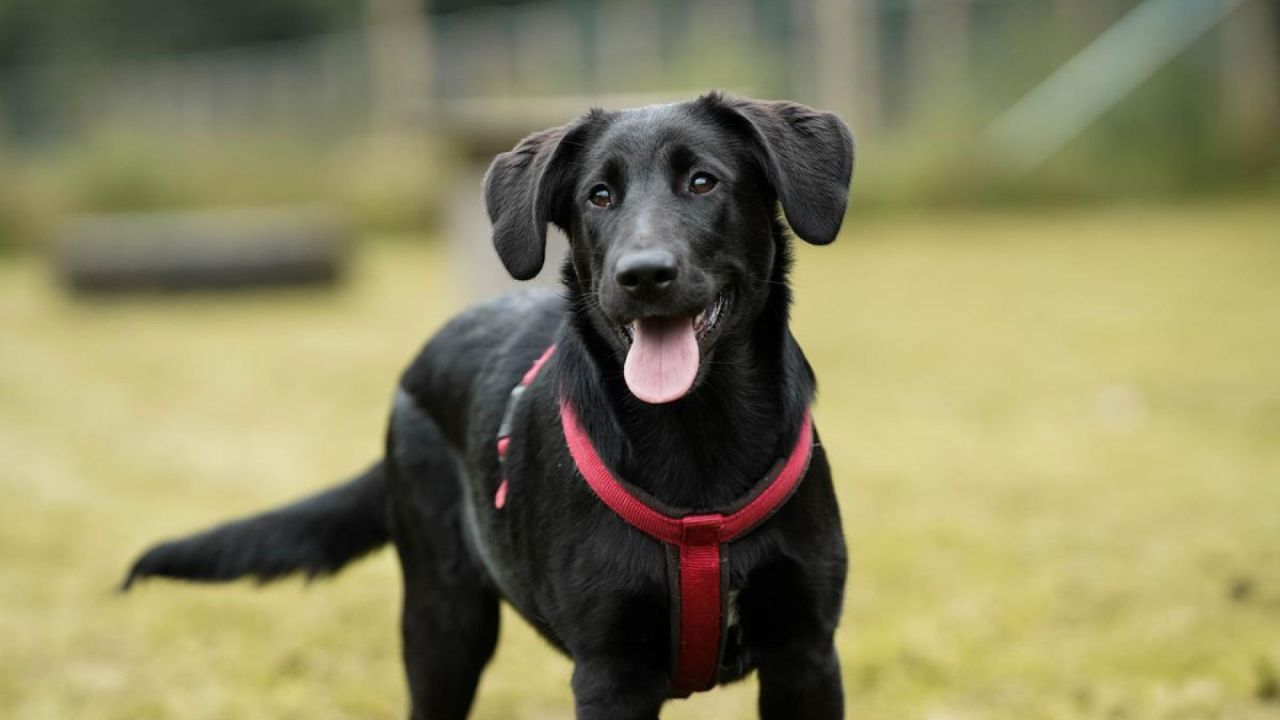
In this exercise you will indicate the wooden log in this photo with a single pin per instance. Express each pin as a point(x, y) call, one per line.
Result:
point(201, 250)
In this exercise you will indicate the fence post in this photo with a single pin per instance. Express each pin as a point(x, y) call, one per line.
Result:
point(937, 53)
point(399, 40)
point(845, 85)
point(1251, 80)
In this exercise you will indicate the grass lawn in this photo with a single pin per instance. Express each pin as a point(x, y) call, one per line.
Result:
point(1056, 438)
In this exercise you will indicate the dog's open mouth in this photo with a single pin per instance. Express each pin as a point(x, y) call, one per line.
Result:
point(664, 353)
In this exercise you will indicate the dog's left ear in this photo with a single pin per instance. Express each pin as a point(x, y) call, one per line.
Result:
point(808, 155)
point(523, 191)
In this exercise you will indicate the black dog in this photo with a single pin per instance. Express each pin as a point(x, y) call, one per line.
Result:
point(674, 364)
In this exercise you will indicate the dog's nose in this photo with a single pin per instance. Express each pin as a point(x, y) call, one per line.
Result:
point(646, 272)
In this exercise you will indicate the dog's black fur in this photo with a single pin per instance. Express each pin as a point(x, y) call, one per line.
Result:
point(594, 587)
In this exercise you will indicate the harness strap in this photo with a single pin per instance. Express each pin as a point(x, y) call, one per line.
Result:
point(701, 608)
point(508, 416)
point(698, 539)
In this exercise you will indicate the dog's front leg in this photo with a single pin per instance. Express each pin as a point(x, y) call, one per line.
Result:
point(614, 688)
point(801, 682)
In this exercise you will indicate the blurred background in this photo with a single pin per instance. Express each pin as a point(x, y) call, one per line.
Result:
point(1048, 339)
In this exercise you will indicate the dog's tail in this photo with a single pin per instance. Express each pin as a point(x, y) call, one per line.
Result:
point(317, 536)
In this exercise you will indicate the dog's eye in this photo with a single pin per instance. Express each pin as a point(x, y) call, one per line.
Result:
point(702, 183)
point(600, 196)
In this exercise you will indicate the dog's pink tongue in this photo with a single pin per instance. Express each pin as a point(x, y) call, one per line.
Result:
point(663, 360)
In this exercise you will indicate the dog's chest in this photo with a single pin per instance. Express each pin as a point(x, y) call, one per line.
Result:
point(733, 658)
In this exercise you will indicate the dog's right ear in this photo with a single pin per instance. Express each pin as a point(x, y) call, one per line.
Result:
point(524, 190)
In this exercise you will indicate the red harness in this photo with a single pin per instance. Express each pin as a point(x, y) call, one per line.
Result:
point(700, 578)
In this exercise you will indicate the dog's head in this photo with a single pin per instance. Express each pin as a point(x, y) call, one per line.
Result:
point(670, 212)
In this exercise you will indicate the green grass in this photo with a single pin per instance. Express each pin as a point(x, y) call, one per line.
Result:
point(1056, 438)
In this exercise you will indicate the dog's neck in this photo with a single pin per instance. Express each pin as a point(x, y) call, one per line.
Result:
point(709, 448)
